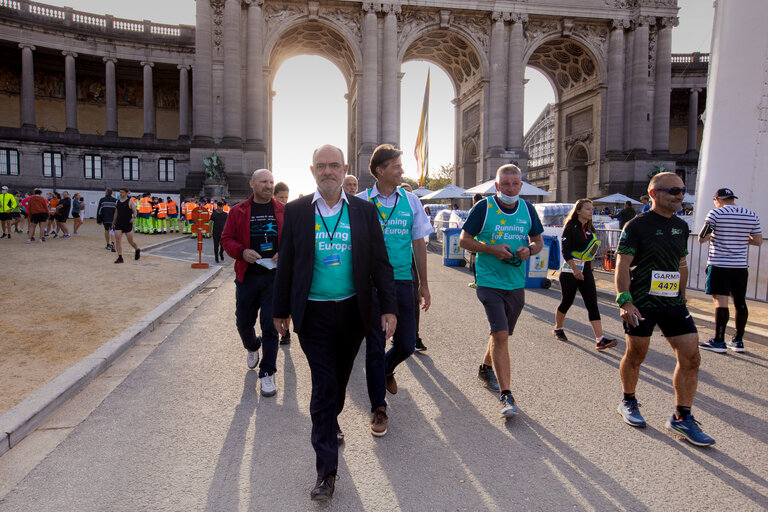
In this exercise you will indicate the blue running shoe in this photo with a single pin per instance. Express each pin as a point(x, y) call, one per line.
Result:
point(735, 345)
point(690, 430)
point(714, 346)
point(630, 411)
point(488, 377)
point(508, 407)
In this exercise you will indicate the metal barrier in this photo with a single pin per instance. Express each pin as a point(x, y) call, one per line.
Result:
point(757, 285)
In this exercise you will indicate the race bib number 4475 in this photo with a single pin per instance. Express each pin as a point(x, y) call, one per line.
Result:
point(665, 284)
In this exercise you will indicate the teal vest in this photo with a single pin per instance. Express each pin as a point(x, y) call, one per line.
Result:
point(397, 226)
point(502, 228)
point(332, 275)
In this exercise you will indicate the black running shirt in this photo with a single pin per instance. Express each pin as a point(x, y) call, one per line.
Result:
point(657, 244)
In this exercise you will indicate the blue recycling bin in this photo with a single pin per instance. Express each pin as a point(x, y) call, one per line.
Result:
point(453, 254)
point(537, 266)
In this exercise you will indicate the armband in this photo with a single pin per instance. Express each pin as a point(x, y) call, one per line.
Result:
point(623, 297)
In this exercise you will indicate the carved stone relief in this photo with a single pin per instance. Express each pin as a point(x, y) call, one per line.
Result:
point(410, 19)
point(345, 17)
point(596, 35)
point(536, 29)
point(653, 37)
point(218, 22)
point(479, 26)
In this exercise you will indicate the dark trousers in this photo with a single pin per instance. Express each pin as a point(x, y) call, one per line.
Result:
point(377, 363)
point(254, 294)
point(330, 337)
point(218, 249)
point(569, 284)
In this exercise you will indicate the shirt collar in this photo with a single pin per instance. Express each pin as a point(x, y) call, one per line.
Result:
point(317, 197)
point(375, 192)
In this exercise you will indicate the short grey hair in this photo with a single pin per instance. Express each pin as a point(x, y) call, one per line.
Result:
point(508, 169)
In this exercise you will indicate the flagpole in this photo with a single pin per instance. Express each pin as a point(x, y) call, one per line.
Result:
point(421, 151)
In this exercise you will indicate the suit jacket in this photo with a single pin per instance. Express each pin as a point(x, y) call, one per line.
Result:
point(236, 236)
point(370, 265)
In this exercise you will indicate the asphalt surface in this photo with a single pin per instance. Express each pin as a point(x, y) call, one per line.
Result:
point(178, 424)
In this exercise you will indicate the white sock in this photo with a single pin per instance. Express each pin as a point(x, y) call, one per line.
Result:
point(598, 340)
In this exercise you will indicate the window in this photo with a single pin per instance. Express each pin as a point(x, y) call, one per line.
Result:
point(92, 167)
point(9, 162)
point(52, 161)
point(131, 168)
point(165, 169)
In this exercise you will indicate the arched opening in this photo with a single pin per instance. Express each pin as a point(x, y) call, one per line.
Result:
point(303, 121)
point(539, 122)
point(573, 180)
point(470, 164)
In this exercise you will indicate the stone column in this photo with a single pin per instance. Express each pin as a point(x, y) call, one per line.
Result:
point(255, 97)
point(369, 105)
point(516, 86)
point(233, 98)
point(27, 97)
point(640, 132)
point(183, 101)
point(497, 106)
point(70, 91)
point(693, 120)
point(149, 101)
point(663, 91)
point(202, 82)
point(615, 118)
point(389, 90)
point(111, 96)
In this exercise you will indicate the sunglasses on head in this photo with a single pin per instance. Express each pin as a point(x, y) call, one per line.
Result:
point(672, 191)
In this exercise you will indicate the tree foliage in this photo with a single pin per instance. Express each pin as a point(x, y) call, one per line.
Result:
point(439, 179)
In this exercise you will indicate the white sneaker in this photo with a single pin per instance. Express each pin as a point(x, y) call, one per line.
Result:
point(253, 359)
point(268, 385)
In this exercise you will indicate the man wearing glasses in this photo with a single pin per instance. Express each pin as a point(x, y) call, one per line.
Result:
point(503, 231)
point(651, 273)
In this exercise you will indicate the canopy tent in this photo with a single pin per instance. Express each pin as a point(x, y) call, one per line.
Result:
point(689, 198)
point(616, 199)
point(448, 192)
point(489, 188)
point(421, 191)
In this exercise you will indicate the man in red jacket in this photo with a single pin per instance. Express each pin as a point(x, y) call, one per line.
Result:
point(251, 237)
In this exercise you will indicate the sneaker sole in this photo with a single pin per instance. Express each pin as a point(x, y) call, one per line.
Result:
point(378, 434)
point(713, 349)
point(609, 345)
point(736, 349)
point(509, 414)
point(268, 394)
point(677, 433)
point(420, 349)
point(636, 425)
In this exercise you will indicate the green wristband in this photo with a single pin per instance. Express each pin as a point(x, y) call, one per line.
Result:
point(623, 297)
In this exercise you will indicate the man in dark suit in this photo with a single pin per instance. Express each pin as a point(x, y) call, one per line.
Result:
point(331, 254)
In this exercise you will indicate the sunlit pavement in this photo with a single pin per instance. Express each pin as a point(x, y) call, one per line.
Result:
point(187, 429)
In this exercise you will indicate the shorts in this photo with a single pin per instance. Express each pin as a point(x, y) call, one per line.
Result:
point(5, 216)
point(75, 215)
point(126, 227)
point(15, 215)
point(502, 307)
point(672, 320)
point(24, 214)
point(61, 219)
point(107, 226)
point(38, 218)
point(727, 281)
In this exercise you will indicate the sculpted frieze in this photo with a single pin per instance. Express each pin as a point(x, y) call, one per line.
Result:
point(276, 13)
point(536, 29)
point(596, 35)
point(345, 17)
point(478, 26)
point(409, 19)
point(653, 38)
point(218, 22)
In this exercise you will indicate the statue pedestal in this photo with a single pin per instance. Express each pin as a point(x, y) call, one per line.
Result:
point(215, 190)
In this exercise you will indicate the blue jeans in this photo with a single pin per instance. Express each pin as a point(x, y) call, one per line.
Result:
point(377, 363)
point(254, 294)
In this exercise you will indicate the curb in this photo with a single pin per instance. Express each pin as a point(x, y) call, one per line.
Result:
point(756, 335)
point(26, 416)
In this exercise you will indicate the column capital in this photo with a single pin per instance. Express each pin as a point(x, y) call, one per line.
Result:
point(368, 7)
point(500, 16)
point(695, 90)
point(620, 23)
point(113, 60)
point(146, 63)
point(256, 3)
point(396, 9)
point(668, 22)
point(69, 53)
point(639, 21)
point(518, 17)
point(27, 45)
point(184, 66)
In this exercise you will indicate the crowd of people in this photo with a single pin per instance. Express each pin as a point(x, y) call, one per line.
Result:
point(46, 215)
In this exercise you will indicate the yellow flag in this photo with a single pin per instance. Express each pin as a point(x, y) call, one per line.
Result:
point(421, 152)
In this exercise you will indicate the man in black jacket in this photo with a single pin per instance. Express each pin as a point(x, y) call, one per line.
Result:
point(105, 214)
point(331, 252)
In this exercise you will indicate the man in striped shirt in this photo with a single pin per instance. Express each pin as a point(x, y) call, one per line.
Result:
point(731, 229)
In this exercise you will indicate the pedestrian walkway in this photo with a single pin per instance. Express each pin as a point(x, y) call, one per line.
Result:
point(178, 424)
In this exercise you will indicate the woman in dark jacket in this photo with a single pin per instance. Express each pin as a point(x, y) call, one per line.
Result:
point(579, 244)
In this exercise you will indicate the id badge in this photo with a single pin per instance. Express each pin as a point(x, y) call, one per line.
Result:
point(332, 260)
point(567, 268)
point(265, 247)
point(664, 284)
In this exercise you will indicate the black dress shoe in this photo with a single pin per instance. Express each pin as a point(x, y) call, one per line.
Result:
point(286, 339)
point(323, 490)
point(339, 434)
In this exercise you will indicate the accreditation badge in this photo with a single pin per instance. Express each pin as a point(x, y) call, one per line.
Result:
point(332, 260)
point(664, 283)
point(567, 268)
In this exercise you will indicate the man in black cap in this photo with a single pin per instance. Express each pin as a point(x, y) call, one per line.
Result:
point(731, 229)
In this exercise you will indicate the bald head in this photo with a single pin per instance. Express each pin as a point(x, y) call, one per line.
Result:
point(328, 146)
point(262, 184)
point(350, 185)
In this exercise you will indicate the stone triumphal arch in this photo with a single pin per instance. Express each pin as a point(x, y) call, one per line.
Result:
point(607, 60)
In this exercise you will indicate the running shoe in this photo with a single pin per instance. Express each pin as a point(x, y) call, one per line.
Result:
point(268, 385)
point(119, 259)
point(734, 344)
point(488, 377)
point(65, 236)
point(559, 334)
point(605, 343)
point(508, 407)
point(107, 247)
point(137, 254)
point(286, 339)
point(630, 411)
point(714, 346)
point(32, 239)
point(252, 359)
point(29, 240)
point(690, 430)
point(420, 347)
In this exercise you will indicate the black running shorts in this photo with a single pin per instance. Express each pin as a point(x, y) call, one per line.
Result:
point(672, 320)
point(502, 307)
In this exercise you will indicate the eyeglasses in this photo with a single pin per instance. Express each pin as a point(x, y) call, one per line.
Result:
point(674, 191)
point(515, 261)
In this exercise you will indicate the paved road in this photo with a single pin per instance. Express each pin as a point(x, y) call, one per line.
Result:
point(187, 430)
point(186, 250)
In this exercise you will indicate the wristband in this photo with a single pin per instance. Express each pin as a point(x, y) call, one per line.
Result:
point(623, 297)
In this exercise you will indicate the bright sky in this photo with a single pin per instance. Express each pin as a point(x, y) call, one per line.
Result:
point(304, 121)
